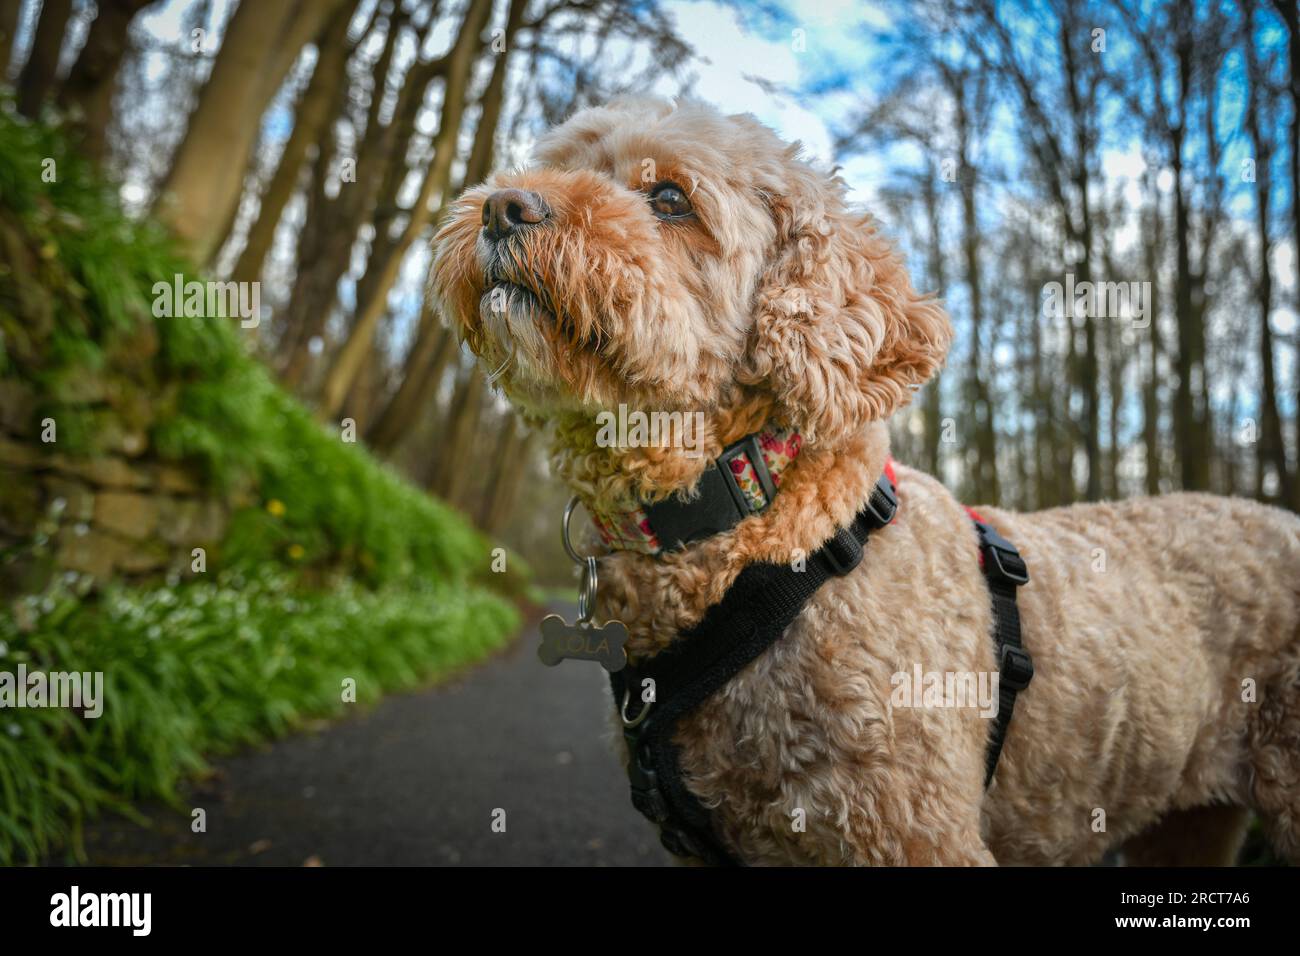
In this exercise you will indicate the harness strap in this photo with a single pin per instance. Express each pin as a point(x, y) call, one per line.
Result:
point(1004, 571)
point(756, 610)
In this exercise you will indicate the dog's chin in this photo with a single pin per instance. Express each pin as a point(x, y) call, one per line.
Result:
point(511, 317)
point(511, 311)
point(520, 355)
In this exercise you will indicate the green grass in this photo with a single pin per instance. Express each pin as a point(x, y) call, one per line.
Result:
point(202, 668)
point(333, 568)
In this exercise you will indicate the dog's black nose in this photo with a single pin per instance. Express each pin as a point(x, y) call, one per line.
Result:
point(508, 209)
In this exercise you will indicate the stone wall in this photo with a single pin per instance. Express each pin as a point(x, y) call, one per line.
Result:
point(120, 512)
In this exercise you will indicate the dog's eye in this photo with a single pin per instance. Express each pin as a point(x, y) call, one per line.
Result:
point(669, 201)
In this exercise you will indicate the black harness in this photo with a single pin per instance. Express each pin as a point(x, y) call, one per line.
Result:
point(756, 610)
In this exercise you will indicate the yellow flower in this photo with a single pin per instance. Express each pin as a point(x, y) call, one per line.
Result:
point(296, 551)
point(275, 506)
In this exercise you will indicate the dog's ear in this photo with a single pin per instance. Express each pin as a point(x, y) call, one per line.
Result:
point(840, 336)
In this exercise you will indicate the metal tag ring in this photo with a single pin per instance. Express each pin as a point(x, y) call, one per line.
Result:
point(564, 533)
point(587, 593)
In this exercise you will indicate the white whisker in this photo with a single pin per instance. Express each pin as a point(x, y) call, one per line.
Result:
point(491, 379)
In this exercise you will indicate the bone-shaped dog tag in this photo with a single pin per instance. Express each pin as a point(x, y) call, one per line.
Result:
point(583, 642)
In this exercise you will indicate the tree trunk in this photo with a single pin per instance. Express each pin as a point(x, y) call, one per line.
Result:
point(311, 22)
point(1044, 421)
point(503, 502)
point(1292, 18)
point(510, 463)
point(362, 399)
point(1151, 392)
point(986, 475)
point(482, 154)
point(207, 172)
point(1185, 417)
point(327, 80)
point(1270, 447)
point(39, 75)
point(9, 10)
point(299, 321)
point(1211, 214)
point(497, 468)
point(451, 471)
point(1189, 420)
point(933, 408)
point(460, 67)
point(1227, 452)
point(1115, 368)
point(433, 348)
point(87, 94)
point(1287, 10)
point(1080, 107)
point(332, 230)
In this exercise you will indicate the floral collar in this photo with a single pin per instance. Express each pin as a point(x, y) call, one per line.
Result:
point(740, 482)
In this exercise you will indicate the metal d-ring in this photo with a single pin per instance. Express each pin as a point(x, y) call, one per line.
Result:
point(639, 718)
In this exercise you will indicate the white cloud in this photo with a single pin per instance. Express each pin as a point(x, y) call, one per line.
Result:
point(732, 57)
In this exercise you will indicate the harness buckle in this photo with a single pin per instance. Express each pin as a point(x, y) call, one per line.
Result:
point(883, 503)
point(843, 550)
point(750, 449)
point(650, 804)
point(643, 781)
point(644, 784)
point(1002, 562)
point(650, 801)
point(1017, 668)
point(1009, 565)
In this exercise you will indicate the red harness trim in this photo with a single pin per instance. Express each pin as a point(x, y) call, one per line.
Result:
point(978, 519)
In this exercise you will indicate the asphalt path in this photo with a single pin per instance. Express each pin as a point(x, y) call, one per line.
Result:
point(418, 780)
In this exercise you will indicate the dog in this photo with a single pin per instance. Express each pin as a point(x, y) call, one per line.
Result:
point(663, 256)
